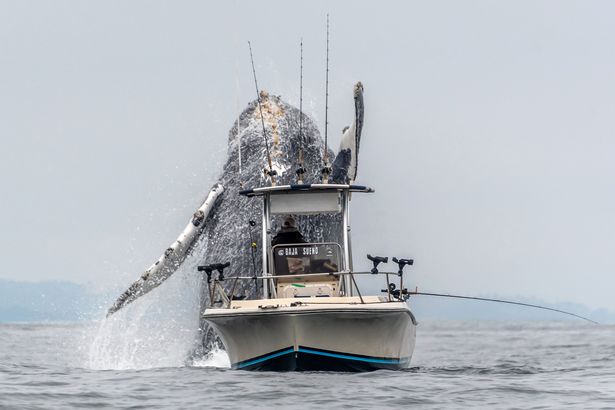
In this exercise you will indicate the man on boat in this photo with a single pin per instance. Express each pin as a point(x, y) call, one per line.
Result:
point(288, 234)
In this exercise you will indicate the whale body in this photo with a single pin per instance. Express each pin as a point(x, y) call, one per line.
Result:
point(226, 224)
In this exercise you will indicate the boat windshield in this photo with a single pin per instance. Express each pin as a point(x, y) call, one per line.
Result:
point(298, 259)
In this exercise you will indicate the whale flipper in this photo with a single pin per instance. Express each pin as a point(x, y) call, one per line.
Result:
point(172, 257)
point(345, 165)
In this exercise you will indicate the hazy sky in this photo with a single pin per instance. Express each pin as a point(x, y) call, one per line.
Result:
point(489, 133)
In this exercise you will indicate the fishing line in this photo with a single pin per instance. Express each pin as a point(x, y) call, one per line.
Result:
point(252, 224)
point(236, 45)
point(502, 301)
point(238, 123)
point(271, 171)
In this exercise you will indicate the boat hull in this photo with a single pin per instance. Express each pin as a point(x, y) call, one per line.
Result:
point(353, 337)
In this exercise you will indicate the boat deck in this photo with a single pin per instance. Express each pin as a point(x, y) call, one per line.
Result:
point(288, 305)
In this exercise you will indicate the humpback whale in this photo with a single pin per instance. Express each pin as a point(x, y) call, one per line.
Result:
point(222, 228)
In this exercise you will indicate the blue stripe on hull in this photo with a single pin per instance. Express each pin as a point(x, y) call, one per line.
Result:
point(313, 359)
point(349, 356)
point(264, 358)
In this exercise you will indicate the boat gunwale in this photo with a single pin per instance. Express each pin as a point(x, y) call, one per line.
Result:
point(293, 311)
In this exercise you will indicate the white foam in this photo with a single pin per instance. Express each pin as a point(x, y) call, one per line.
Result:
point(216, 358)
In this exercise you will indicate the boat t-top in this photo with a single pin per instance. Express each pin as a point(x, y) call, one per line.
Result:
point(309, 313)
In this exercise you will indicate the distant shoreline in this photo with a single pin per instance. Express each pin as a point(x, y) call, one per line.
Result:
point(67, 302)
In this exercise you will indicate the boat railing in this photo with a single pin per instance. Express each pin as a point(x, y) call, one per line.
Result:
point(394, 294)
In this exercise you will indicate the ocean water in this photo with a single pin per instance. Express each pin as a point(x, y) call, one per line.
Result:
point(492, 365)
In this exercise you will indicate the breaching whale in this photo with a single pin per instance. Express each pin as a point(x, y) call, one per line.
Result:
point(222, 228)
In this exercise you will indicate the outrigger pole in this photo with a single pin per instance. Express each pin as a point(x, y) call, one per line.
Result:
point(271, 172)
point(326, 171)
point(502, 301)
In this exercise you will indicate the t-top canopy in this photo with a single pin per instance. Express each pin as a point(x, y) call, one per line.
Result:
point(280, 189)
point(305, 199)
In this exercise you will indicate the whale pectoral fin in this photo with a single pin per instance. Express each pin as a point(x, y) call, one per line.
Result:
point(173, 256)
point(345, 165)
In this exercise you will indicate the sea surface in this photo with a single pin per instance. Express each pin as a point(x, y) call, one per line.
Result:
point(492, 365)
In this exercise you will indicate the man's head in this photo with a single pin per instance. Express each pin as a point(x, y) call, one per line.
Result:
point(289, 222)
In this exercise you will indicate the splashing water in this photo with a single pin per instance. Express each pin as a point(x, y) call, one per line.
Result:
point(160, 329)
point(215, 358)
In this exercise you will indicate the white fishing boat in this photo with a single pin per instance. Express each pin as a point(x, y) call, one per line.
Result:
point(309, 313)
point(304, 309)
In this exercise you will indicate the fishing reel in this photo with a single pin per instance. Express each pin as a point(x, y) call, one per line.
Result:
point(376, 260)
point(402, 293)
point(270, 172)
point(399, 294)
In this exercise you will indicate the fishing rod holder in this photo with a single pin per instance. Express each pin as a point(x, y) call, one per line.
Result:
point(326, 171)
point(208, 269)
point(376, 260)
point(271, 173)
point(402, 264)
point(220, 268)
point(300, 171)
point(217, 288)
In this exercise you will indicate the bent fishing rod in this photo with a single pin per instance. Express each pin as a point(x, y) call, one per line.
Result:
point(403, 294)
point(510, 302)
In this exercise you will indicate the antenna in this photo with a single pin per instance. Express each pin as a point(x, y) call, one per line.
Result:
point(326, 169)
point(301, 170)
point(271, 172)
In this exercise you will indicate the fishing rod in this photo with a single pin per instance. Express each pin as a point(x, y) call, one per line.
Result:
point(271, 172)
point(326, 169)
point(402, 294)
point(252, 224)
point(238, 127)
point(301, 170)
point(501, 301)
